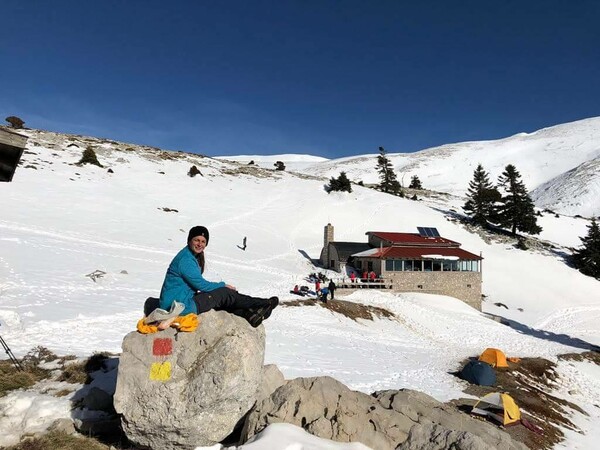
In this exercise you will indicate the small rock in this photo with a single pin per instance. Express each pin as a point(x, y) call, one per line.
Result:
point(62, 425)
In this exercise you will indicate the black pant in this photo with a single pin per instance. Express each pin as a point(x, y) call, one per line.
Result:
point(228, 300)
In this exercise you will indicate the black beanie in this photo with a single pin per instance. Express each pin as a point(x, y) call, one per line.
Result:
point(198, 230)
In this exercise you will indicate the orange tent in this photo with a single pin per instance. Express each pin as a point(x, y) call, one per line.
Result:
point(494, 357)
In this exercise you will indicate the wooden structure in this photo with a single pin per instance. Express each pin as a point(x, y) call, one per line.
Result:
point(11, 149)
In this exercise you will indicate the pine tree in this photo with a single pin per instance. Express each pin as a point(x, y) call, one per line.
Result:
point(341, 183)
point(516, 211)
point(415, 183)
point(587, 259)
point(89, 157)
point(389, 182)
point(482, 197)
point(15, 122)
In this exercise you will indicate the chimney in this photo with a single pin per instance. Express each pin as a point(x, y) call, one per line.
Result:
point(327, 238)
point(328, 235)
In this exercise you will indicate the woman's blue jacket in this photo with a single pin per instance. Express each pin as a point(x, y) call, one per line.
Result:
point(183, 280)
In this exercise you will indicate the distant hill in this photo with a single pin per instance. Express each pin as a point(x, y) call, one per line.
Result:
point(559, 163)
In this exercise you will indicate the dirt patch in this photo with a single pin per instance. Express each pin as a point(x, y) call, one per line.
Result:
point(592, 356)
point(349, 309)
point(56, 440)
point(529, 382)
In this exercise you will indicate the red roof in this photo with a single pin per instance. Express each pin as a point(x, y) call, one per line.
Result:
point(420, 252)
point(412, 239)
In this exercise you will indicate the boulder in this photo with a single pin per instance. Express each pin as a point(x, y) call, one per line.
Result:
point(433, 436)
point(272, 378)
point(425, 409)
point(326, 408)
point(181, 390)
point(384, 420)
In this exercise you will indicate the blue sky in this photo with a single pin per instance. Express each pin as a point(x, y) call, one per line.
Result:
point(328, 78)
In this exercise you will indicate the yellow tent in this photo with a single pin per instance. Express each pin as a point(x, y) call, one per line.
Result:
point(494, 357)
point(500, 407)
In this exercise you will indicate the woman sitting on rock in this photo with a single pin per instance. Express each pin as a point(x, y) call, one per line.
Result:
point(185, 284)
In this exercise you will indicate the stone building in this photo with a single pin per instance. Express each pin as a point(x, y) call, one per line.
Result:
point(410, 262)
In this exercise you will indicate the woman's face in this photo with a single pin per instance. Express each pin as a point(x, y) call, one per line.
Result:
point(198, 244)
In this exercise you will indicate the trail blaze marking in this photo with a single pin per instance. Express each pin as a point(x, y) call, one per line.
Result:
point(162, 346)
point(160, 371)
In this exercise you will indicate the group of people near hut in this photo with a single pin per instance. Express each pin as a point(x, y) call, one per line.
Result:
point(366, 276)
point(322, 292)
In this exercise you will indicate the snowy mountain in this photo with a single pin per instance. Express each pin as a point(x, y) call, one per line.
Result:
point(61, 221)
point(546, 159)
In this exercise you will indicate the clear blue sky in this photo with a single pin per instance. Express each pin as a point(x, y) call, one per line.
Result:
point(329, 78)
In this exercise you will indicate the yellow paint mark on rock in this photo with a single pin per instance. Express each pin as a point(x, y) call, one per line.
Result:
point(160, 371)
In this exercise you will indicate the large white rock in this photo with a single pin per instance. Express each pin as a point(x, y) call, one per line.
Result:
point(182, 390)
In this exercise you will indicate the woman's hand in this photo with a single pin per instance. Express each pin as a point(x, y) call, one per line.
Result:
point(233, 288)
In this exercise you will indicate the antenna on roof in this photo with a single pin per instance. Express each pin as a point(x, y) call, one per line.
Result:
point(428, 232)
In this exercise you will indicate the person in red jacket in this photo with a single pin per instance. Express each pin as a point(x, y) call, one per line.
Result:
point(372, 276)
point(352, 277)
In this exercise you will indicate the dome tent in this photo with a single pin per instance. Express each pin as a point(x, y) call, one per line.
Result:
point(494, 357)
point(478, 372)
point(498, 406)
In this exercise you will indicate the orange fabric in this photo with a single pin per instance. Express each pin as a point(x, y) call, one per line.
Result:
point(187, 323)
point(494, 357)
point(513, 359)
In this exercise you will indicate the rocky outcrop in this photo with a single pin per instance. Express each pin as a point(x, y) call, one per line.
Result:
point(432, 436)
point(272, 378)
point(181, 390)
point(328, 409)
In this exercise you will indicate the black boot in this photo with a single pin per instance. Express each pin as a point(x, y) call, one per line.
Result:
point(264, 312)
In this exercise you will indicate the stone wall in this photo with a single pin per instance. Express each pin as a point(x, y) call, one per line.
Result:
point(465, 286)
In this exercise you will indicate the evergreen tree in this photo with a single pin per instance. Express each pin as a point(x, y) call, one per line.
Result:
point(516, 211)
point(89, 157)
point(587, 259)
point(482, 197)
point(15, 122)
point(341, 183)
point(415, 183)
point(389, 182)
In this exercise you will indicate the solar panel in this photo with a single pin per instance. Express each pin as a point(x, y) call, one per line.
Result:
point(428, 232)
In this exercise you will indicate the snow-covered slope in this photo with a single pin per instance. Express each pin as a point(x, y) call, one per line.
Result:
point(540, 156)
point(291, 161)
point(61, 221)
point(574, 192)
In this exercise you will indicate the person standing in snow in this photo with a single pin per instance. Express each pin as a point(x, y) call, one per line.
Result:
point(332, 288)
point(323, 294)
point(185, 284)
point(352, 277)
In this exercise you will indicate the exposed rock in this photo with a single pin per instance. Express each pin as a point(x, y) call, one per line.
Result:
point(424, 409)
point(328, 409)
point(182, 390)
point(435, 437)
point(62, 425)
point(272, 378)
